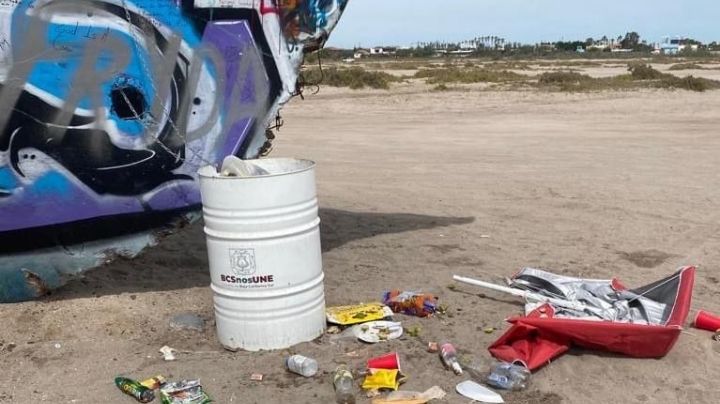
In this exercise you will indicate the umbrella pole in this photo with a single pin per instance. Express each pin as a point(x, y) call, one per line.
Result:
point(525, 294)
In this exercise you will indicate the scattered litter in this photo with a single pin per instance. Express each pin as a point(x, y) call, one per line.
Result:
point(477, 392)
point(484, 236)
point(398, 401)
point(432, 347)
point(381, 379)
point(448, 355)
point(333, 329)
point(352, 354)
point(387, 361)
point(706, 321)
point(134, 389)
point(508, 376)
point(343, 383)
point(356, 314)
point(489, 330)
point(187, 321)
point(58, 346)
point(302, 365)
point(257, 377)
point(184, 392)
point(411, 303)
point(154, 383)
point(235, 167)
point(716, 336)
point(376, 331)
point(414, 331)
point(168, 353)
point(412, 397)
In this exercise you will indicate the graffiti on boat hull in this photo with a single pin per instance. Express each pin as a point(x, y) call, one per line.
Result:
point(113, 105)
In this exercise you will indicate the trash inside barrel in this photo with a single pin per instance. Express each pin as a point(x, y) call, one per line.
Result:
point(263, 240)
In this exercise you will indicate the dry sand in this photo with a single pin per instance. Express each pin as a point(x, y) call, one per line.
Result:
point(595, 185)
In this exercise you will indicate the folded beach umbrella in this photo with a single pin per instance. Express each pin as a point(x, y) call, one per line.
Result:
point(643, 323)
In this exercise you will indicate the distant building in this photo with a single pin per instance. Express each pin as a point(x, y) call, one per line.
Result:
point(462, 52)
point(468, 45)
point(546, 46)
point(380, 50)
point(361, 53)
point(673, 46)
point(603, 44)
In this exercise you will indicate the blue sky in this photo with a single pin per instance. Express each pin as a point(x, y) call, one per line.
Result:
point(403, 22)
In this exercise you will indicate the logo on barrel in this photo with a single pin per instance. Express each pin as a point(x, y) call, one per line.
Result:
point(242, 261)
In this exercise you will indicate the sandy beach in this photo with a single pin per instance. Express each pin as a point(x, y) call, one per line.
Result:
point(416, 185)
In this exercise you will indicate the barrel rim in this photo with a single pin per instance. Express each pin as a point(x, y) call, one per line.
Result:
point(211, 171)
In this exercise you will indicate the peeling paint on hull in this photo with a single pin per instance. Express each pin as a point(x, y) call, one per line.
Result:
point(32, 274)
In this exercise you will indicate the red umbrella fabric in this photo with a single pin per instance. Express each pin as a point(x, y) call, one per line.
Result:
point(539, 337)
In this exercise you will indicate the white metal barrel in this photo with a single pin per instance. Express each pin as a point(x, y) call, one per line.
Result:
point(263, 243)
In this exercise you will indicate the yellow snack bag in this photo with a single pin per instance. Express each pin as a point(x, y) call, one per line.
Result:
point(153, 383)
point(381, 379)
point(356, 314)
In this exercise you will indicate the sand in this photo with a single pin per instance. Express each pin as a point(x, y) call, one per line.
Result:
point(416, 186)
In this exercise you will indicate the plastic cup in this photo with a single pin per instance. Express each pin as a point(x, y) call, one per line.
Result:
point(707, 321)
point(389, 361)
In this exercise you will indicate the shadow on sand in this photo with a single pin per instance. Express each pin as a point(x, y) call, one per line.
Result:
point(180, 261)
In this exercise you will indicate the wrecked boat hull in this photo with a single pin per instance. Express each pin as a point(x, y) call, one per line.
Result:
point(115, 106)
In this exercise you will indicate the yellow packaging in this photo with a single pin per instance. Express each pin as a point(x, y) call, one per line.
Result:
point(356, 314)
point(381, 379)
point(153, 383)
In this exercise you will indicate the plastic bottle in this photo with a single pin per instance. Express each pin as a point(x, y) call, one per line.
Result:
point(508, 376)
point(135, 389)
point(449, 358)
point(343, 382)
point(302, 365)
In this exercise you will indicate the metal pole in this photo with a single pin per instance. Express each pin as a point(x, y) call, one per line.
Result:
point(527, 295)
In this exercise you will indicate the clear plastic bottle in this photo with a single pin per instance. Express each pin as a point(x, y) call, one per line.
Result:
point(302, 365)
point(449, 357)
point(343, 382)
point(508, 376)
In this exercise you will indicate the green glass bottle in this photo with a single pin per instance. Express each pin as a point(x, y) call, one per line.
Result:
point(135, 389)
